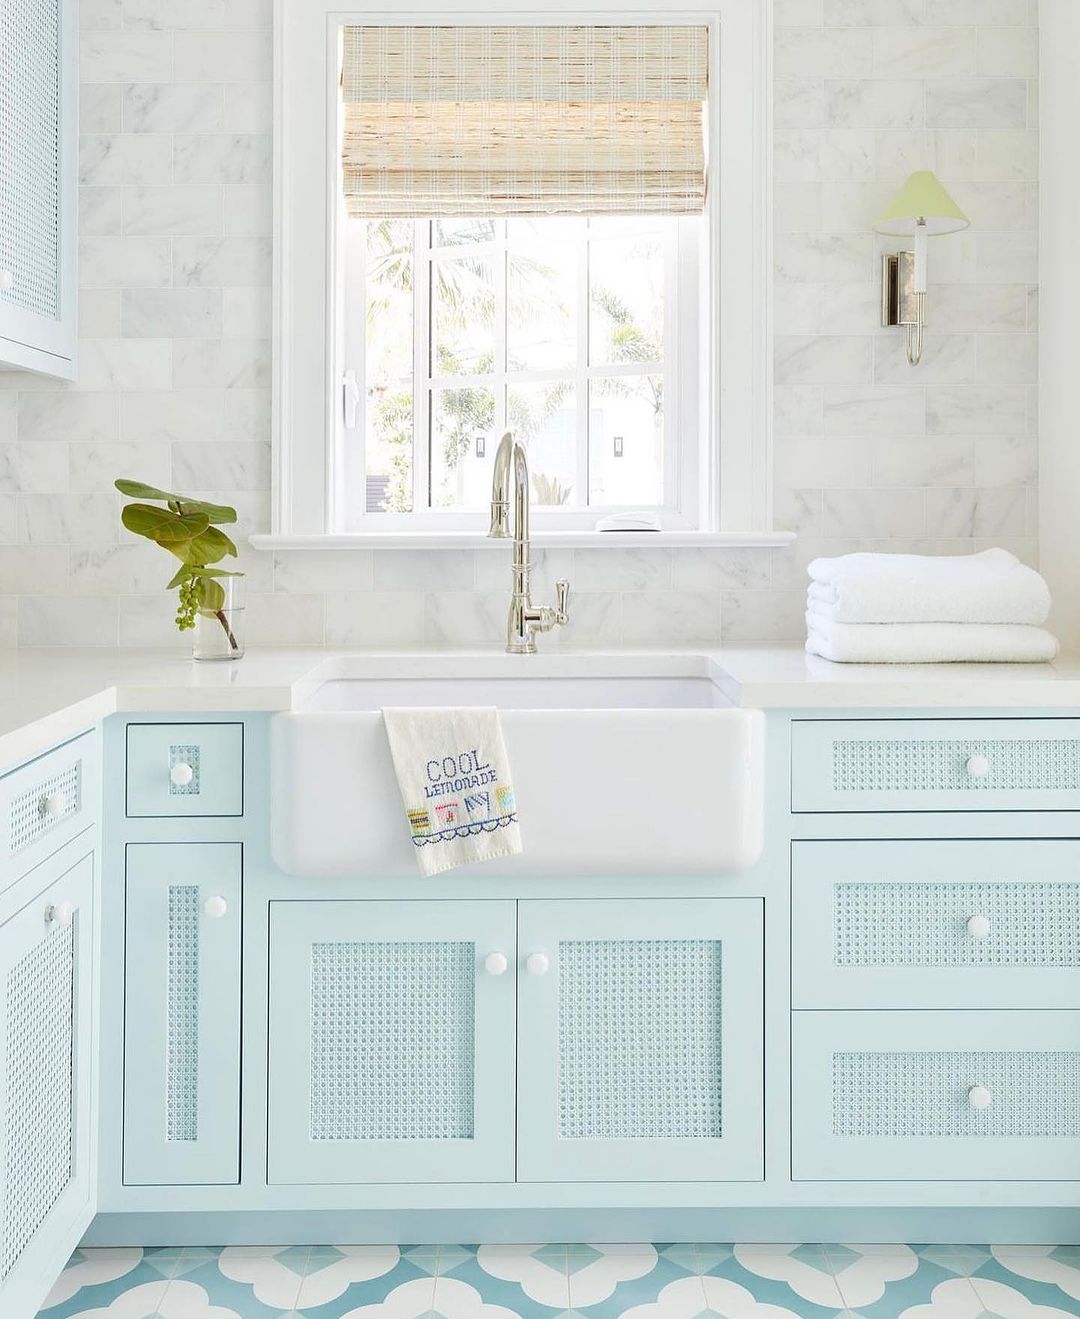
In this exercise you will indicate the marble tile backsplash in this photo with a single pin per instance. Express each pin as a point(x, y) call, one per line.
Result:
point(174, 387)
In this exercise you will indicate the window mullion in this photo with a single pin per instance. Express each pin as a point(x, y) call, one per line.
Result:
point(581, 389)
point(422, 366)
point(672, 435)
point(501, 279)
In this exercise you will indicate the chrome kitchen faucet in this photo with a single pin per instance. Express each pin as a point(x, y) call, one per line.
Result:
point(524, 619)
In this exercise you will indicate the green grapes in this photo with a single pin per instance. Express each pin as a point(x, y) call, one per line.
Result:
point(188, 603)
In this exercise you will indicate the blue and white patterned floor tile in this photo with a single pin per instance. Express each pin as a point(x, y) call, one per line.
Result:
point(635, 1281)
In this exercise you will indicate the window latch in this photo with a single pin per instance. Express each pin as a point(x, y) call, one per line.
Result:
point(350, 393)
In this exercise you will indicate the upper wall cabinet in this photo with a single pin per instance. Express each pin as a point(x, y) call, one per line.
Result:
point(38, 181)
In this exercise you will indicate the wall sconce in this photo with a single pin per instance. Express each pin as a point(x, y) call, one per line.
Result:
point(922, 209)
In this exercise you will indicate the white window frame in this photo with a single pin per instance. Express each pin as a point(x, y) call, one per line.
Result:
point(682, 426)
point(732, 380)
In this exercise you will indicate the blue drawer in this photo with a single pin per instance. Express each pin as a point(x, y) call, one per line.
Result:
point(972, 923)
point(46, 803)
point(935, 765)
point(935, 1096)
point(185, 769)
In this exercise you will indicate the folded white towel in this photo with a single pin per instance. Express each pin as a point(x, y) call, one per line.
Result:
point(991, 587)
point(454, 777)
point(929, 643)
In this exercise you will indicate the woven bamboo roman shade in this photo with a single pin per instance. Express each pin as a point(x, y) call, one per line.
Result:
point(443, 121)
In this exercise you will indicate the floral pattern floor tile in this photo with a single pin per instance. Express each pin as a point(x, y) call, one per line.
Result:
point(571, 1281)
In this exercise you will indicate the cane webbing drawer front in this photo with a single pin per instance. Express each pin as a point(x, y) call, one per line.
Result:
point(921, 1093)
point(935, 765)
point(936, 1095)
point(182, 1013)
point(640, 1039)
point(185, 769)
point(391, 1050)
point(46, 803)
point(941, 923)
point(640, 1042)
point(45, 1013)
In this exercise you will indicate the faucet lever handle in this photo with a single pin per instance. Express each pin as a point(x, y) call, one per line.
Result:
point(562, 597)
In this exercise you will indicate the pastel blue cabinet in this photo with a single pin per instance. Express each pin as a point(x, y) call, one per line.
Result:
point(640, 1040)
point(936, 923)
point(185, 769)
point(935, 765)
point(182, 1013)
point(936, 1096)
point(39, 183)
point(46, 1068)
point(391, 1041)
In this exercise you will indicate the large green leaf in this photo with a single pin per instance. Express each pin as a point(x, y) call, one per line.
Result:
point(181, 575)
point(200, 570)
point(216, 513)
point(211, 594)
point(136, 490)
point(162, 525)
point(207, 547)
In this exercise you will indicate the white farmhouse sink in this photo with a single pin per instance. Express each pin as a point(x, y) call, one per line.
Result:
point(624, 765)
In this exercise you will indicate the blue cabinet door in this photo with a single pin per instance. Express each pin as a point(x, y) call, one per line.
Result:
point(391, 1041)
point(640, 1040)
point(182, 1013)
point(46, 1090)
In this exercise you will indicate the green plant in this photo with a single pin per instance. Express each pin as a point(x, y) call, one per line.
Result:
point(190, 529)
point(549, 489)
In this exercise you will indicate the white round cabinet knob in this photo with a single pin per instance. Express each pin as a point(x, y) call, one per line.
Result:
point(64, 912)
point(537, 964)
point(215, 907)
point(495, 964)
point(54, 805)
point(977, 766)
point(978, 926)
point(181, 774)
point(979, 1097)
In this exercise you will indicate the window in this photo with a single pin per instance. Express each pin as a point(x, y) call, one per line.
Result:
point(565, 331)
point(555, 227)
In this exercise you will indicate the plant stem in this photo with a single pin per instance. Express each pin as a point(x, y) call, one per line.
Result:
point(219, 614)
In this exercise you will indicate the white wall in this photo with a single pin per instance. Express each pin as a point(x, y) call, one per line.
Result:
point(1059, 445)
point(175, 325)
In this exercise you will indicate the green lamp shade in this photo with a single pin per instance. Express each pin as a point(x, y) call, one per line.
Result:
point(921, 198)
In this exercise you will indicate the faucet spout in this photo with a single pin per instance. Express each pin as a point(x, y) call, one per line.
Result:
point(500, 489)
point(524, 619)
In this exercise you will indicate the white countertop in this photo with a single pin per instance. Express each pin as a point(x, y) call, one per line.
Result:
point(49, 695)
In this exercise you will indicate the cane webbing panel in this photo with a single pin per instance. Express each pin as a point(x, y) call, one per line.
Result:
point(392, 1028)
point(882, 924)
point(30, 154)
point(926, 1094)
point(38, 1079)
point(182, 1008)
point(936, 765)
point(30, 820)
point(639, 1039)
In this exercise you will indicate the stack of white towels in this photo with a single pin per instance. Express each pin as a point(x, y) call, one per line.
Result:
point(914, 608)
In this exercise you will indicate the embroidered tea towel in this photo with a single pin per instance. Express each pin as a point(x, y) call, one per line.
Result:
point(455, 784)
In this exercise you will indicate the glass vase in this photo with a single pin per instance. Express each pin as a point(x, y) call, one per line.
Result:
point(219, 633)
